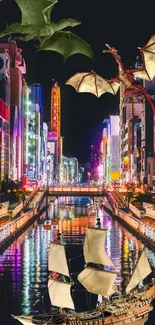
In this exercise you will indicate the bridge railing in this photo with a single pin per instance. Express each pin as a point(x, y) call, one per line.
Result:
point(75, 189)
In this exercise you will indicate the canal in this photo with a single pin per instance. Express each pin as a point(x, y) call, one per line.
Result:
point(23, 265)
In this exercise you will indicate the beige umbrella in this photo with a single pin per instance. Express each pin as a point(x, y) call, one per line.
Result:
point(91, 82)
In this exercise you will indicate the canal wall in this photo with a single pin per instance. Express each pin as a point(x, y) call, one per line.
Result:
point(16, 210)
point(14, 227)
point(10, 229)
point(145, 232)
point(138, 228)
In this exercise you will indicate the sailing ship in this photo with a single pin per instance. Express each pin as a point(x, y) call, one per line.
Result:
point(98, 277)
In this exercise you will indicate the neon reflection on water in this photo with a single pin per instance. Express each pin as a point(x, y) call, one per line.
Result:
point(23, 266)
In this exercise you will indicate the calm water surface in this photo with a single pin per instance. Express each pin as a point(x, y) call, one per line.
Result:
point(23, 265)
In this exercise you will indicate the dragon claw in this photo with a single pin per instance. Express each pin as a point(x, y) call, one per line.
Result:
point(110, 49)
point(107, 45)
point(107, 50)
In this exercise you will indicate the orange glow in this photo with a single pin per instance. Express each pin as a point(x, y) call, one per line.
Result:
point(74, 189)
point(78, 225)
point(67, 189)
point(55, 116)
point(126, 160)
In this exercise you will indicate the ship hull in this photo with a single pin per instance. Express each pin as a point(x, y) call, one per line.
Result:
point(132, 310)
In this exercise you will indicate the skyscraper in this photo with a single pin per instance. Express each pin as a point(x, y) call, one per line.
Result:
point(111, 150)
point(4, 114)
point(17, 69)
point(36, 97)
point(55, 126)
point(25, 131)
point(44, 155)
point(56, 117)
point(148, 138)
point(130, 113)
point(34, 160)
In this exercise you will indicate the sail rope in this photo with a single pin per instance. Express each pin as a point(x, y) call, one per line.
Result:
point(43, 296)
point(72, 258)
point(88, 275)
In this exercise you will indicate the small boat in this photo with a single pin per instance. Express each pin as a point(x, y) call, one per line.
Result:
point(98, 277)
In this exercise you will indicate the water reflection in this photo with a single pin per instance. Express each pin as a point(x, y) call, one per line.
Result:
point(23, 266)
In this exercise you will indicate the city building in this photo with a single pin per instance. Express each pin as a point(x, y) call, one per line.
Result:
point(51, 157)
point(56, 117)
point(44, 155)
point(137, 144)
point(137, 131)
point(130, 137)
point(12, 95)
point(69, 170)
point(36, 97)
point(111, 150)
point(81, 174)
point(34, 158)
point(104, 148)
point(55, 126)
point(96, 172)
point(25, 111)
point(4, 141)
point(5, 93)
point(148, 139)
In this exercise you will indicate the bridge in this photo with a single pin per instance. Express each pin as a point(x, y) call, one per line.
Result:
point(75, 191)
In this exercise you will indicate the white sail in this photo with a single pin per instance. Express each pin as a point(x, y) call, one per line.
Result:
point(57, 261)
point(60, 294)
point(97, 281)
point(25, 320)
point(141, 271)
point(94, 251)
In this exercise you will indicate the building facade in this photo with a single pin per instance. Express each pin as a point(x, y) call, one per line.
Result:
point(15, 91)
point(25, 121)
point(69, 170)
point(51, 157)
point(130, 138)
point(5, 93)
point(44, 155)
point(111, 150)
point(34, 160)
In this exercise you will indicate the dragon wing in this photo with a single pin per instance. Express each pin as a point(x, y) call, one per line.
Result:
point(91, 82)
point(67, 44)
point(35, 12)
point(147, 71)
point(34, 17)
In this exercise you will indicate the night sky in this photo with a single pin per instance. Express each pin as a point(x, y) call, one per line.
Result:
point(123, 24)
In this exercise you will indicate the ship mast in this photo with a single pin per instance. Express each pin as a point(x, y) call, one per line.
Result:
point(98, 225)
point(95, 277)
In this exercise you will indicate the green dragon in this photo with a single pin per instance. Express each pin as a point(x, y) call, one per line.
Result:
point(36, 25)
